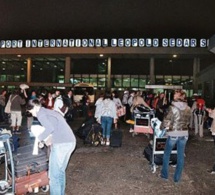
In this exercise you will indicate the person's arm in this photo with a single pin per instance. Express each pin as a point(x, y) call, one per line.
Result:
point(166, 123)
point(48, 125)
point(120, 103)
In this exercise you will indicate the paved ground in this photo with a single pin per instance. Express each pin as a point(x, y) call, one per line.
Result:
point(125, 171)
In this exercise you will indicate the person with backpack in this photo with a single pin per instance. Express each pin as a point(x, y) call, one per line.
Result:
point(198, 109)
point(106, 116)
point(59, 104)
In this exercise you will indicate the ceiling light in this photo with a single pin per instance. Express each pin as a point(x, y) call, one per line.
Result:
point(19, 56)
point(174, 56)
point(101, 55)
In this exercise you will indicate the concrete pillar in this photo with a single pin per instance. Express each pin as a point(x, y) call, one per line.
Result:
point(152, 71)
point(29, 67)
point(67, 70)
point(196, 68)
point(109, 74)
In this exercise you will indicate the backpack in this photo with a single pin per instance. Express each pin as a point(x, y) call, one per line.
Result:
point(64, 109)
point(94, 136)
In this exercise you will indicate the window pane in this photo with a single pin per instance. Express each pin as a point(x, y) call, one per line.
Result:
point(126, 81)
point(134, 81)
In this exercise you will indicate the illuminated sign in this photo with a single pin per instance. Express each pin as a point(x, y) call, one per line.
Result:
point(134, 42)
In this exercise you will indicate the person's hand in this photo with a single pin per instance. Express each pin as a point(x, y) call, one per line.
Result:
point(41, 144)
point(98, 120)
point(208, 109)
point(115, 121)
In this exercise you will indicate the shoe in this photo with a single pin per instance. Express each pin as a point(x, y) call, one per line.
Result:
point(212, 172)
point(131, 130)
point(160, 176)
point(107, 143)
point(17, 132)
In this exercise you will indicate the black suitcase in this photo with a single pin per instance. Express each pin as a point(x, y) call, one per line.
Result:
point(158, 158)
point(116, 138)
point(26, 164)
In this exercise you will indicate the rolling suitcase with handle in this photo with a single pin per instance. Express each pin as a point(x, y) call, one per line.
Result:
point(116, 138)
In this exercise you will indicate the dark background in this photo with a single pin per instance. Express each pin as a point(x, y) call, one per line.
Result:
point(35, 19)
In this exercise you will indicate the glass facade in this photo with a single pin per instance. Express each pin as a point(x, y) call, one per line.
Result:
point(125, 73)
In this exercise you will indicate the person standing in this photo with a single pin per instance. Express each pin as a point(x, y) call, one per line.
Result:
point(137, 100)
point(17, 100)
point(58, 103)
point(29, 116)
point(2, 105)
point(176, 123)
point(63, 143)
point(85, 104)
point(125, 103)
point(211, 113)
point(117, 102)
point(106, 115)
point(69, 101)
point(97, 104)
point(49, 101)
point(199, 116)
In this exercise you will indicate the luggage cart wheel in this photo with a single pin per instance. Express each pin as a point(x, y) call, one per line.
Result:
point(153, 168)
point(45, 188)
point(4, 186)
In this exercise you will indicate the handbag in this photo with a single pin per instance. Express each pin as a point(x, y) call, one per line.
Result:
point(8, 105)
point(121, 111)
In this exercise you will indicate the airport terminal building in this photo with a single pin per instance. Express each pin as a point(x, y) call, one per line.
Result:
point(115, 64)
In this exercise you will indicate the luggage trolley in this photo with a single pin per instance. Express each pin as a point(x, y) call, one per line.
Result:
point(142, 118)
point(10, 184)
point(158, 146)
point(7, 184)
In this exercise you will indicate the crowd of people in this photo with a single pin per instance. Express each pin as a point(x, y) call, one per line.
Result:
point(176, 114)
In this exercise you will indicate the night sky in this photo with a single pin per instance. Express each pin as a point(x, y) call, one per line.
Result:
point(41, 19)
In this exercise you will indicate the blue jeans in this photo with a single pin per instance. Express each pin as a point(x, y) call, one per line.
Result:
point(58, 161)
point(107, 123)
point(180, 142)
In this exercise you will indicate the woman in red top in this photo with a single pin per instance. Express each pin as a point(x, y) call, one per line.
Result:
point(49, 103)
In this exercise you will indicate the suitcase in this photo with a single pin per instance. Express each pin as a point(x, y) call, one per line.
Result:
point(26, 184)
point(158, 158)
point(26, 164)
point(116, 138)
